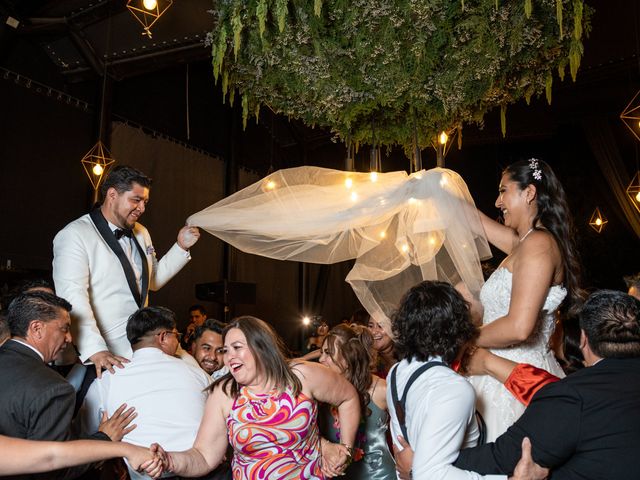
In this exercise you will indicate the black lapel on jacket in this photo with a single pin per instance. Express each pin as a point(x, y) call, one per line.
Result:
point(103, 227)
point(145, 271)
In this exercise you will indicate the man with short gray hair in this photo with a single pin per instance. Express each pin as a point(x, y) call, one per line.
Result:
point(36, 403)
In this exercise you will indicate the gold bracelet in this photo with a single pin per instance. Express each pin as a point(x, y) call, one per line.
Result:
point(349, 454)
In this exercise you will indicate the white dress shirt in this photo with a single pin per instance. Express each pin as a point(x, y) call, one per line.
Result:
point(131, 251)
point(440, 420)
point(166, 392)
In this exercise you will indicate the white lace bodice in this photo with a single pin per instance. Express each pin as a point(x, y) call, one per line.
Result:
point(496, 297)
point(496, 404)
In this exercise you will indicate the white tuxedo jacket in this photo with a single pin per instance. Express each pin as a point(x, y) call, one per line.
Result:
point(88, 274)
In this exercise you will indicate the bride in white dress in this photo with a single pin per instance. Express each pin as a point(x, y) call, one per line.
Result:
point(539, 275)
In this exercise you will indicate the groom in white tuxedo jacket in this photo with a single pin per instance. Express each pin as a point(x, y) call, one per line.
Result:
point(104, 264)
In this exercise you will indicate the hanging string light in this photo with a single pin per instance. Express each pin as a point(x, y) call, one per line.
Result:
point(442, 144)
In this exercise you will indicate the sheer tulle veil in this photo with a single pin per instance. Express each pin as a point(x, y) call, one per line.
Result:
point(400, 229)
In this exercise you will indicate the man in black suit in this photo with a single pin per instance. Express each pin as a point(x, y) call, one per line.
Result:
point(587, 425)
point(36, 403)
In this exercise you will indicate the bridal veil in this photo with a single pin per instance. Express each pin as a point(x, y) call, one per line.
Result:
point(400, 229)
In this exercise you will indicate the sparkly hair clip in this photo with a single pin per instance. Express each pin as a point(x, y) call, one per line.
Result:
point(535, 168)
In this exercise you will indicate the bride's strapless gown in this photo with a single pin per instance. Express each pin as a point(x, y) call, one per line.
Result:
point(498, 407)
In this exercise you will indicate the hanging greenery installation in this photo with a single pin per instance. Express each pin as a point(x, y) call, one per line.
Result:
point(376, 71)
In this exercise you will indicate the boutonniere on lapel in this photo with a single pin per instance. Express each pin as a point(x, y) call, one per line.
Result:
point(150, 250)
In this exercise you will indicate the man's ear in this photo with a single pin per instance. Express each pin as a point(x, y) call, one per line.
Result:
point(112, 193)
point(584, 343)
point(35, 329)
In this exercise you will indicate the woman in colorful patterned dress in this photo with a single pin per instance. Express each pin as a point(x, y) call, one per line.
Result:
point(266, 409)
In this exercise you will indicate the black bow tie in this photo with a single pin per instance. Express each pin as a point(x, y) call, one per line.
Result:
point(119, 233)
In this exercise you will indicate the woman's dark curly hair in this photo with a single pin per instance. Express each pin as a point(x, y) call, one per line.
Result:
point(555, 217)
point(432, 319)
point(350, 349)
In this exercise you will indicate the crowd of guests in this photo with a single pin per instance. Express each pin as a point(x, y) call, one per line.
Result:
point(387, 397)
point(268, 416)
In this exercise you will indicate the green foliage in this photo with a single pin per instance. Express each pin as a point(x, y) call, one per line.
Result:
point(373, 70)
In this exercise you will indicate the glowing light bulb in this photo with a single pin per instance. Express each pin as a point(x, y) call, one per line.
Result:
point(638, 197)
point(373, 176)
point(443, 138)
point(306, 321)
point(383, 234)
point(354, 196)
point(270, 185)
point(405, 248)
point(412, 200)
point(97, 169)
point(348, 183)
point(150, 4)
point(598, 221)
point(432, 241)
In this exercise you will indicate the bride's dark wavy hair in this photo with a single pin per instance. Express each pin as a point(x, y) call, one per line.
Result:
point(554, 216)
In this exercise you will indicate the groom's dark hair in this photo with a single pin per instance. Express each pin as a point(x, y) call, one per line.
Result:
point(432, 319)
point(122, 179)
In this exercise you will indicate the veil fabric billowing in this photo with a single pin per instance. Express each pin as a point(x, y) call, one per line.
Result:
point(400, 229)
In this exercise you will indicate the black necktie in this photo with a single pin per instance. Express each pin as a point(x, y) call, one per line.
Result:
point(119, 233)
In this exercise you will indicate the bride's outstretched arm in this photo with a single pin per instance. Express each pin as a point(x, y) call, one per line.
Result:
point(533, 273)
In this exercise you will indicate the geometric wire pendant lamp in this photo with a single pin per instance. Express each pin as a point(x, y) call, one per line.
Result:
point(148, 12)
point(597, 220)
point(631, 115)
point(633, 191)
point(97, 163)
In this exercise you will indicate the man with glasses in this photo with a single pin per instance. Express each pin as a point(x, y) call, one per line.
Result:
point(167, 392)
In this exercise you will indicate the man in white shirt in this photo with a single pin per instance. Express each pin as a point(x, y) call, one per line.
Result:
point(104, 264)
point(431, 326)
point(169, 394)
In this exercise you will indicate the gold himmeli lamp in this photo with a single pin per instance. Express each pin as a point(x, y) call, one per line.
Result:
point(633, 191)
point(148, 12)
point(598, 220)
